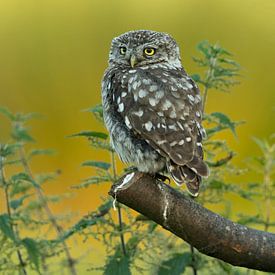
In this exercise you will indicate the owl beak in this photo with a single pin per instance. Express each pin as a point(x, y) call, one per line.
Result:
point(133, 60)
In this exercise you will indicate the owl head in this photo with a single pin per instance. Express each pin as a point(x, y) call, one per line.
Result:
point(143, 47)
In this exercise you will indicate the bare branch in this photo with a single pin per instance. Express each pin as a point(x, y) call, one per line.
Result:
point(208, 232)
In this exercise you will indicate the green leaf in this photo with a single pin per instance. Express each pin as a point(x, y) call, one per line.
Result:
point(224, 120)
point(37, 152)
point(33, 250)
point(20, 133)
point(14, 204)
point(92, 180)
point(89, 220)
point(245, 220)
point(104, 208)
point(96, 110)
point(216, 184)
point(7, 113)
point(8, 149)
point(263, 144)
point(196, 77)
point(117, 264)
point(97, 164)
point(21, 176)
point(90, 134)
point(175, 265)
point(204, 48)
point(17, 178)
point(6, 228)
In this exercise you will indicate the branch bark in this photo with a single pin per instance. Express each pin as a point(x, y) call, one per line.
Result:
point(207, 231)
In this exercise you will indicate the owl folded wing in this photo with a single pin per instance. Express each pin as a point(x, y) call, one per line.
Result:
point(168, 119)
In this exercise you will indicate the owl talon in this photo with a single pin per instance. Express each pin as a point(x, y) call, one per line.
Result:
point(162, 178)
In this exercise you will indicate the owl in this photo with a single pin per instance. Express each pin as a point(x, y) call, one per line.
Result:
point(152, 108)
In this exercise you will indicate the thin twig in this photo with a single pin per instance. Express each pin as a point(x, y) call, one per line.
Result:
point(6, 191)
point(222, 161)
point(41, 196)
point(205, 91)
point(123, 246)
point(267, 191)
point(208, 79)
point(193, 263)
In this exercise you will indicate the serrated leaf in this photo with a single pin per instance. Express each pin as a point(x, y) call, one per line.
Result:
point(117, 264)
point(14, 204)
point(23, 177)
point(90, 134)
point(92, 180)
point(96, 109)
point(81, 225)
point(8, 149)
point(175, 265)
point(216, 184)
point(88, 220)
point(33, 250)
point(21, 134)
point(6, 228)
point(105, 206)
point(204, 48)
point(7, 113)
point(196, 77)
point(224, 120)
point(97, 164)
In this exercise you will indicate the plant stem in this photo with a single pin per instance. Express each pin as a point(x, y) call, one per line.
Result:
point(193, 264)
point(208, 80)
point(41, 197)
point(6, 191)
point(267, 183)
point(205, 91)
point(118, 208)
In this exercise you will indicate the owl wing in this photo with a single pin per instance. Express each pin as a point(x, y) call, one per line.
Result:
point(166, 111)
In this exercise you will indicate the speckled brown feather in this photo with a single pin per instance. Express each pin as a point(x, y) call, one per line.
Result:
point(153, 111)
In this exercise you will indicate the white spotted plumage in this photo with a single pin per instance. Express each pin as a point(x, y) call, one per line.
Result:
point(152, 108)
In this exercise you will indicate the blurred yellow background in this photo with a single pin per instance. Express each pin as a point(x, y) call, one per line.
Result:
point(53, 54)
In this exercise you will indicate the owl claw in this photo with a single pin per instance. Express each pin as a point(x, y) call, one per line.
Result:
point(162, 178)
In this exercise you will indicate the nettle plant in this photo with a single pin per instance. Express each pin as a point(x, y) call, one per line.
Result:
point(134, 244)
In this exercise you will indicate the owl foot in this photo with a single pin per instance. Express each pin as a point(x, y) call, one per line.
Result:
point(162, 178)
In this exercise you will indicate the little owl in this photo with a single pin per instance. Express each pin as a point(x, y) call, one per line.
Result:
point(153, 109)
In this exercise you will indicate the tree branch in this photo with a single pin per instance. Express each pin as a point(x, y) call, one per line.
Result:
point(208, 232)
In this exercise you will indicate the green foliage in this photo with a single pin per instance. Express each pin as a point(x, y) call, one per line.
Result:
point(220, 69)
point(175, 265)
point(134, 244)
point(97, 164)
point(27, 211)
point(33, 251)
point(5, 226)
point(117, 264)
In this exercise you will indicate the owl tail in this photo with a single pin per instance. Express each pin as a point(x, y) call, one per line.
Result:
point(190, 176)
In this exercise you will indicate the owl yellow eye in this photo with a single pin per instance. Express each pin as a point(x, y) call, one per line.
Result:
point(149, 51)
point(123, 50)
